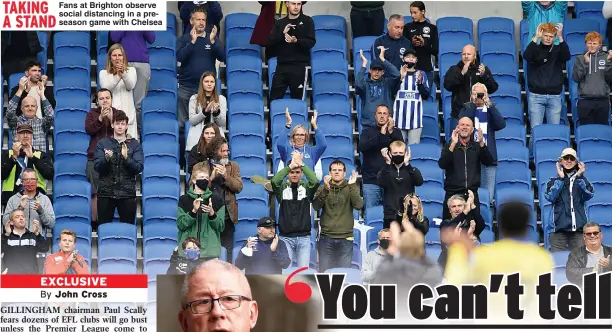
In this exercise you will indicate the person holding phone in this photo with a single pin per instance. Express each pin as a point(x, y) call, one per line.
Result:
point(264, 253)
point(411, 209)
point(592, 257)
point(67, 260)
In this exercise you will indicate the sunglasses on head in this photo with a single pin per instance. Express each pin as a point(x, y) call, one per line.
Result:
point(592, 234)
point(568, 157)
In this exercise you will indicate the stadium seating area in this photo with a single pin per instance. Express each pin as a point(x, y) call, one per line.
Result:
point(146, 246)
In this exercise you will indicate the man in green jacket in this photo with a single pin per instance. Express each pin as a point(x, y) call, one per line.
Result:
point(294, 197)
point(337, 197)
point(197, 216)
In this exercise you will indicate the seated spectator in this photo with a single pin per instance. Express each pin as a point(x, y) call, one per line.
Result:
point(118, 159)
point(392, 45)
point(397, 179)
point(67, 260)
point(34, 204)
point(197, 154)
point(212, 9)
point(424, 38)
point(373, 258)
point(98, 125)
point(593, 257)
point(34, 74)
point(29, 109)
point(22, 156)
point(568, 192)
point(121, 80)
point(292, 37)
point(371, 141)
point(299, 140)
point(337, 199)
point(460, 78)
point(18, 49)
point(486, 118)
point(20, 245)
point(294, 197)
point(186, 263)
point(408, 105)
point(411, 210)
point(207, 106)
point(137, 54)
point(593, 73)
point(264, 253)
point(538, 12)
point(197, 216)
point(375, 89)
point(367, 18)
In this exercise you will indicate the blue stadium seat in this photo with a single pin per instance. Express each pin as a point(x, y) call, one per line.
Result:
point(501, 60)
point(432, 200)
point(560, 258)
point(72, 86)
point(70, 167)
point(485, 209)
point(117, 232)
point(362, 44)
point(430, 110)
point(574, 31)
point(455, 27)
point(329, 48)
point(372, 239)
point(352, 275)
point(83, 231)
point(70, 143)
point(511, 111)
point(424, 155)
point(374, 215)
point(331, 69)
point(524, 33)
point(593, 136)
point(495, 27)
point(163, 85)
point(117, 259)
point(336, 129)
point(551, 137)
point(510, 137)
point(159, 233)
point(357, 258)
point(244, 87)
point(158, 107)
point(433, 237)
point(171, 23)
point(588, 9)
point(433, 177)
point(159, 209)
point(71, 65)
point(330, 89)
point(41, 56)
point(71, 43)
point(165, 43)
point(345, 153)
point(248, 109)
point(160, 150)
point(238, 42)
point(251, 166)
point(252, 194)
point(73, 191)
point(252, 150)
point(157, 256)
point(244, 66)
point(240, 22)
point(598, 209)
point(330, 25)
point(430, 133)
point(160, 130)
point(246, 135)
point(514, 157)
point(596, 158)
point(161, 178)
point(333, 110)
point(507, 92)
point(66, 211)
point(515, 178)
point(297, 109)
point(163, 63)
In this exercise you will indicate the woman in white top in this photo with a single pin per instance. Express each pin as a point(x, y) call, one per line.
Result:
point(207, 106)
point(121, 80)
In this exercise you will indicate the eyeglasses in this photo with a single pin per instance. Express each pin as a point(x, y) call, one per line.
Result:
point(205, 306)
point(411, 195)
point(592, 234)
point(570, 158)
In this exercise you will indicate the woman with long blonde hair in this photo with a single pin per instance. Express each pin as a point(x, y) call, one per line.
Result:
point(207, 106)
point(412, 211)
point(121, 80)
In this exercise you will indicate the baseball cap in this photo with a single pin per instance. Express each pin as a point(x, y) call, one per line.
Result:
point(25, 127)
point(376, 63)
point(569, 152)
point(266, 222)
point(409, 51)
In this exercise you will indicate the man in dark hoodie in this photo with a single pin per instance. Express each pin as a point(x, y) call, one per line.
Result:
point(294, 197)
point(393, 42)
point(337, 198)
point(264, 253)
point(292, 37)
point(593, 73)
point(367, 18)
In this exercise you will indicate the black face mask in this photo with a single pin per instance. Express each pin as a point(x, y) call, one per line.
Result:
point(397, 159)
point(202, 184)
point(384, 243)
point(410, 65)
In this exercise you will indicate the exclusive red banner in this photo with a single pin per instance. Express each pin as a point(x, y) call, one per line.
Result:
point(75, 281)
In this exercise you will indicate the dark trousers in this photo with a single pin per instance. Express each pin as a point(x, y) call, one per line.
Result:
point(562, 241)
point(367, 22)
point(126, 207)
point(288, 76)
point(334, 253)
point(227, 237)
point(594, 111)
point(387, 222)
point(446, 212)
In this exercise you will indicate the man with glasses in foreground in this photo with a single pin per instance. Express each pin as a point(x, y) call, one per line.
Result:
point(216, 296)
point(592, 257)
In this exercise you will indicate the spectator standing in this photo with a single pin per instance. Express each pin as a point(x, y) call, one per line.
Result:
point(411, 210)
point(486, 118)
point(20, 157)
point(18, 49)
point(337, 199)
point(121, 80)
point(191, 258)
point(568, 192)
point(367, 18)
point(67, 260)
point(198, 151)
point(461, 161)
point(408, 106)
point(424, 38)
point(118, 159)
point(29, 109)
point(460, 78)
point(197, 217)
point(393, 42)
point(538, 12)
point(294, 197)
point(373, 258)
point(212, 9)
point(207, 106)
point(264, 253)
point(397, 179)
point(592, 257)
point(377, 88)
point(593, 73)
point(292, 37)
point(34, 74)
point(371, 141)
point(135, 45)
point(20, 245)
point(606, 10)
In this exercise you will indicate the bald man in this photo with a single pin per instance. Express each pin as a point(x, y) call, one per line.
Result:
point(460, 78)
point(29, 107)
point(461, 160)
point(216, 296)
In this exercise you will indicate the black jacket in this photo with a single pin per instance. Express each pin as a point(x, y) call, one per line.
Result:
point(462, 166)
point(367, 5)
point(577, 261)
point(26, 44)
point(20, 252)
point(465, 219)
point(182, 265)
point(495, 122)
point(42, 165)
point(294, 53)
point(429, 32)
point(371, 141)
point(461, 85)
point(545, 67)
point(117, 174)
point(397, 183)
point(48, 94)
point(423, 227)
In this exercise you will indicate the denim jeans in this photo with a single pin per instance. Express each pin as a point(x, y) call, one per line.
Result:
point(372, 195)
point(299, 250)
point(487, 179)
point(540, 106)
point(334, 253)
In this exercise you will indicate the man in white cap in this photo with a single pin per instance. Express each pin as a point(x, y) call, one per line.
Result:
point(568, 192)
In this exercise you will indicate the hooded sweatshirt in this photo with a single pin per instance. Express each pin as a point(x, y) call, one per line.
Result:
point(545, 67)
point(594, 77)
point(376, 92)
point(338, 203)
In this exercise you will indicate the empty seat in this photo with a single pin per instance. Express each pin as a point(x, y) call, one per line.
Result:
point(244, 87)
point(160, 233)
point(161, 178)
point(507, 92)
point(373, 215)
point(430, 133)
point(71, 64)
point(163, 85)
point(433, 177)
point(495, 27)
point(596, 158)
point(244, 66)
point(117, 232)
point(511, 136)
point(337, 130)
point(362, 44)
point(71, 43)
point(330, 90)
point(432, 200)
point(329, 47)
point(593, 136)
point(240, 22)
point(588, 9)
point(344, 153)
point(516, 178)
point(550, 137)
point(424, 155)
point(72, 86)
point(162, 63)
point(238, 42)
point(67, 211)
point(70, 142)
point(245, 134)
point(511, 111)
point(159, 209)
point(158, 107)
point(246, 109)
point(455, 27)
point(165, 44)
point(117, 259)
point(251, 166)
point(157, 256)
point(73, 191)
point(514, 157)
point(330, 25)
point(331, 69)
point(159, 150)
point(599, 209)
point(171, 23)
point(160, 130)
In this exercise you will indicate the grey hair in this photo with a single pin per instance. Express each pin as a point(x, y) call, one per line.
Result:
point(455, 198)
point(591, 224)
point(396, 17)
point(481, 85)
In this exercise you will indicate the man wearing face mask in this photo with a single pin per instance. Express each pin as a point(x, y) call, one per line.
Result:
point(568, 192)
point(373, 258)
point(264, 253)
point(191, 258)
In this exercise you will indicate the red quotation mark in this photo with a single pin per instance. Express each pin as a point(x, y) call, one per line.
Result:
point(297, 292)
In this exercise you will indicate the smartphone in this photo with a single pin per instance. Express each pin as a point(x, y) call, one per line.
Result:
point(480, 95)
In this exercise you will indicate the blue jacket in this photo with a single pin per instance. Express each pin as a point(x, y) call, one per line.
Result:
point(395, 49)
point(311, 153)
point(495, 122)
point(537, 14)
point(374, 93)
point(264, 260)
point(196, 59)
point(569, 210)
